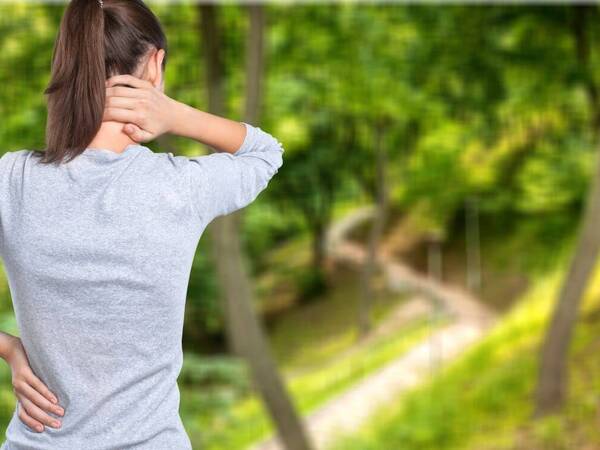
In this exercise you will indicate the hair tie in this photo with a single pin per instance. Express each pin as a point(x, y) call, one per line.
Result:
point(101, 3)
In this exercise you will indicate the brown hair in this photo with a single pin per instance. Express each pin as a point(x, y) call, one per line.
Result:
point(95, 41)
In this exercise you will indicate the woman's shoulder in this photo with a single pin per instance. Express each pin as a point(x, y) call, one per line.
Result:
point(19, 158)
point(15, 155)
point(18, 153)
point(171, 161)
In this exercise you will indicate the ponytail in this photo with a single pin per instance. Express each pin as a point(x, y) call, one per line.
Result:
point(95, 40)
point(77, 90)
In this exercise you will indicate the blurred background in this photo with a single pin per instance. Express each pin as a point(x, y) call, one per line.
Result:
point(421, 272)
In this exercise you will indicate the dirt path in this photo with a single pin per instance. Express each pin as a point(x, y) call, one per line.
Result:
point(471, 320)
point(399, 276)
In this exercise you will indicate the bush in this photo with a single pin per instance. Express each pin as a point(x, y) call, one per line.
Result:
point(215, 372)
point(311, 283)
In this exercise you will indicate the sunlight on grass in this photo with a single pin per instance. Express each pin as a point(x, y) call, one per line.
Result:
point(483, 400)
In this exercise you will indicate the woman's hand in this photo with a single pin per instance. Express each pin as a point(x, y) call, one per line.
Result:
point(34, 398)
point(147, 112)
point(144, 109)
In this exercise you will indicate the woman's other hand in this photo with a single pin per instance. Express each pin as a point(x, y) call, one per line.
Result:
point(34, 398)
point(144, 109)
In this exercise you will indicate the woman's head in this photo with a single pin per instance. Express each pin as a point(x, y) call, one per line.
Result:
point(95, 41)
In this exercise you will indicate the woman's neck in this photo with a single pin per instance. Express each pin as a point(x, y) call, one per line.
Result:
point(111, 137)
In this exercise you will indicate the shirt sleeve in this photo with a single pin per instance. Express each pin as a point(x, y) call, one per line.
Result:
point(224, 182)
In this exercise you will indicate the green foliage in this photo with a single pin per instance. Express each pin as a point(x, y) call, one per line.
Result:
point(213, 371)
point(437, 162)
point(550, 432)
point(311, 283)
point(202, 305)
point(551, 181)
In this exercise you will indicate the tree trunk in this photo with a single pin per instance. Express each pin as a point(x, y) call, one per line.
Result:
point(434, 258)
point(473, 245)
point(552, 377)
point(375, 234)
point(244, 327)
point(552, 381)
point(219, 229)
point(318, 245)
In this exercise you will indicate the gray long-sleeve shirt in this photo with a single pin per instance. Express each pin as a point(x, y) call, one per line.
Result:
point(98, 254)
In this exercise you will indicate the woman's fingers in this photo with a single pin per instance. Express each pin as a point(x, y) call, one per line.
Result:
point(136, 133)
point(27, 419)
point(122, 91)
point(33, 404)
point(130, 80)
point(37, 413)
point(39, 400)
point(122, 102)
point(139, 104)
point(40, 387)
point(123, 115)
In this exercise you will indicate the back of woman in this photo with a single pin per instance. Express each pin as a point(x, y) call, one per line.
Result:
point(98, 235)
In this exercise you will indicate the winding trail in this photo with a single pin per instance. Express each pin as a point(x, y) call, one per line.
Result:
point(470, 321)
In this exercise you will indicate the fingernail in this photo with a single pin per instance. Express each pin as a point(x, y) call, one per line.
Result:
point(61, 411)
point(39, 428)
point(56, 423)
point(54, 400)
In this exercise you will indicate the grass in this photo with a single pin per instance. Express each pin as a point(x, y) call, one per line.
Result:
point(483, 400)
point(246, 422)
point(318, 358)
point(332, 324)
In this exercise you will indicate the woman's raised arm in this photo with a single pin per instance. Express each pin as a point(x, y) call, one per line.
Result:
point(220, 183)
point(224, 182)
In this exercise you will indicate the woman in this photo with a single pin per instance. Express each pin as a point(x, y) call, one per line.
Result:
point(98, 234)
